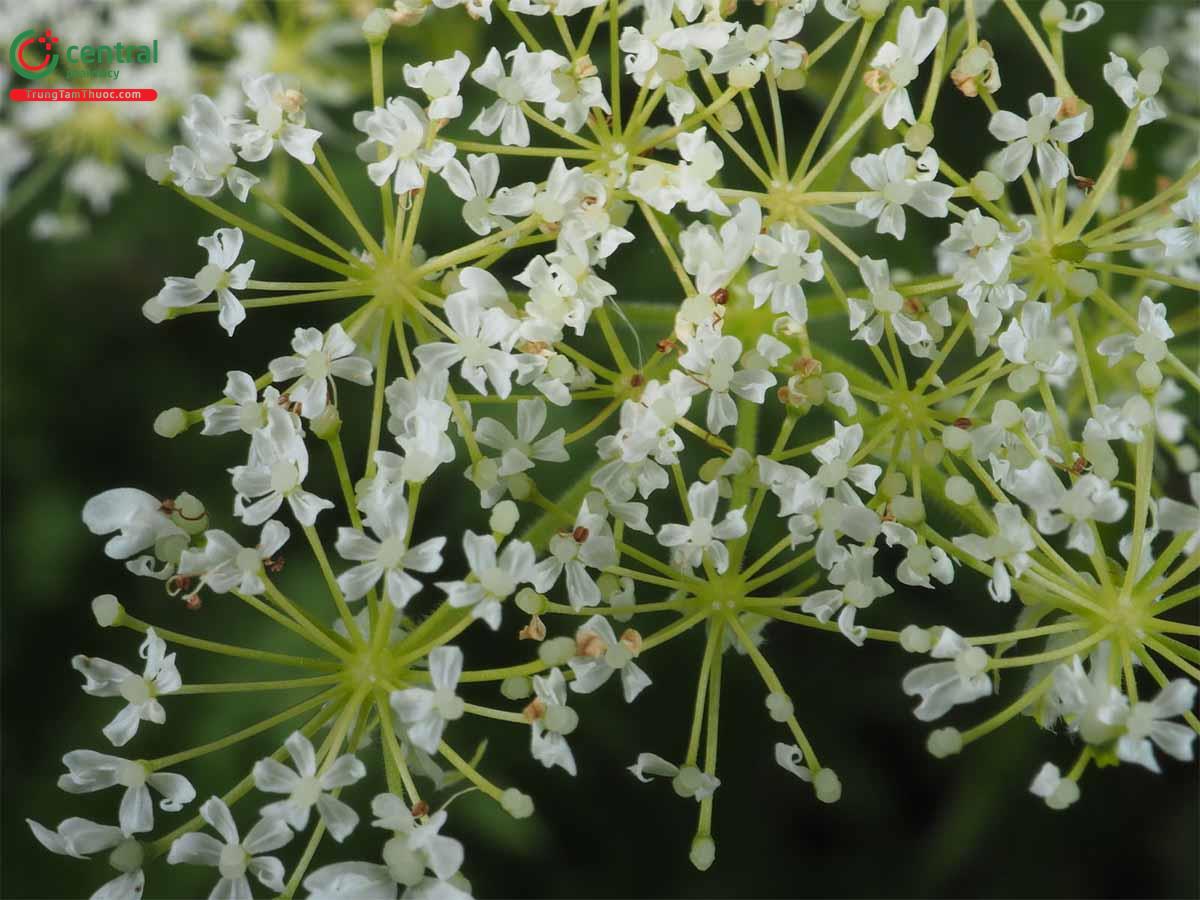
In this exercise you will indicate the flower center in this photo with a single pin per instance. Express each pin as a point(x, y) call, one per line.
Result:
point(136, 690)
point(306, 792)
point(497, 582)
point(316, 366)
point(131, 774)
point(448, 705)
point(719, 376)
point(284, 476)
point(248, 560)
point(391, 552)
point(212, 277)
point(898, 192)
point(509, 90)
point(233, 861)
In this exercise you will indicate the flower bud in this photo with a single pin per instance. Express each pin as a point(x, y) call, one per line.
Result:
point(556, 651)
point(779, 706)
point(327, 425)
point(828, 786)
point(504, 518)
point(919, 137)
point(915, 639)
point(956, 439)
point(892, 484)
point(517, 804)
point(872, 10)
point(908, 509)
point(1081, 283)
point(932, 452)
point(171, 422)
point(516, 687)
point(1137, 411)
point(1149, 376)
point(987, 186)
point(959, 490)
point(520, 486)
point(944, 742)
point(108, 611)
point(730, 117)
point(376, 25)
point(703, 852)
point(1053, 13)
point(127, 856)
point(530, 601)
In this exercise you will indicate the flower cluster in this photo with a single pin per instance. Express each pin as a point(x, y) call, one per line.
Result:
point(815, 425)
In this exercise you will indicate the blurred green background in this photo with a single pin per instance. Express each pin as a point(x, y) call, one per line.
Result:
point(84, 376)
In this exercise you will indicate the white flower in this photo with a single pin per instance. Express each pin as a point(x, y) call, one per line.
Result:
point(942, 685)
point(1180, 518)
point(482, 211)
point(232, 856)
point(1009, 546)
point(1151, 340)
point(79, 838)
point(750, 51)
point(1147, 725)
point(141, 520)
point(784, 250)
point(579, 89)
point(478, 333)
point(206, 160)
point(306, 788)
point(553, 722)
point(225, 565)
point(90, 771)
point(276, 472)
point(702, 535)
point(589, 544)
point(1091, 706)
point(245, 412)
point(494, 579)
point(140, 692)
point(420, 421)
point(317, 360)
point(519, 452)
point(220, 275)
point(1039, 134)
point(711, 358)
point(402, 131)
point(899, 62)
point(901, 181)
point(1089, 500)
point(1058, 792)
point(1035, 344)
point(279, 118)
point(96, 182)
point(530, 82)
point(1139, 93)
point(860, 587)
point(423, 712)
point(921, 561)
point(867, 316)
point(1184, 241)
point(388, 557)
point(440, 81)
point(688, 781)
point(600, 654)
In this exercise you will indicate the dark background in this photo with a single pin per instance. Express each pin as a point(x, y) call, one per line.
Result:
point(84, 376)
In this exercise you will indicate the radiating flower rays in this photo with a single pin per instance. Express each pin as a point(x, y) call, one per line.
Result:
point(1039, 452)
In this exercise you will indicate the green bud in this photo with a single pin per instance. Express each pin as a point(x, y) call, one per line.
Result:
point(703, 852)
point(556, 651)
point(531, 602)
point(171, 422)
point(189, 514)
point(108, 611)
point(516, 687)
point(517, 804)
point(327, 425)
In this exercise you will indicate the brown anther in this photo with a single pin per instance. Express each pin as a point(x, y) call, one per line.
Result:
point(1080, 465)
point(913, 305)
point(535, 710)
point(178, 584)
point(1129, 163)
point(419, 809)
point(1084, 183)
point(807, 366)
point(720, 296)
point(784, 395)
point(580, 534)
point(637, 379)
point(631, 639)
point(193, 602)
point(167, 506)
point(274, 565)
point(962, 422)
point(876, 81)
point(1069, 108)
point(534, 631)
point(666, 345)
point(590, 644)
point(888, 515)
